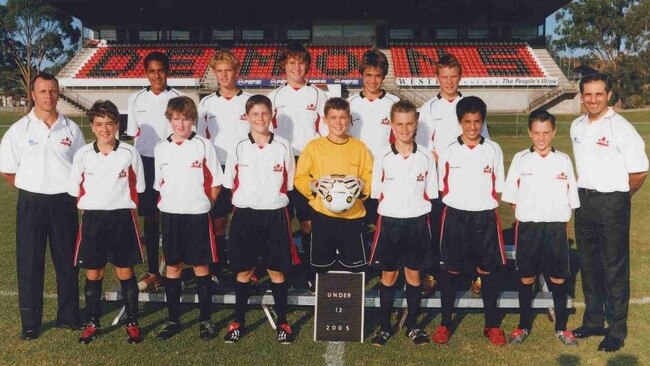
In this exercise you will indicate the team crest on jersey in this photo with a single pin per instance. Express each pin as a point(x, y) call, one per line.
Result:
point(603, 141)
point(420, 178)
point(122, 174)
point(278, 168)
point(66, 141)
point(562, 176)
point(385, 121)
point(243, 117)
point(487, 169)
point(311, 107)
point(196, 164)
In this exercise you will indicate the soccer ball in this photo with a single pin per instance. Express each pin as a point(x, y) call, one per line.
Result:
point(338, 192)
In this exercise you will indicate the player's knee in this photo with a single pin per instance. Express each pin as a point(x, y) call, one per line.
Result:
point(174, 271)
point(202, 270)
point(95, 274)
point(245, 276)
point(124, 273)
point(527, 280)
point(481, 271)
point(388, 278)
point(276, 276)
point(557, 281)
point(412, 276)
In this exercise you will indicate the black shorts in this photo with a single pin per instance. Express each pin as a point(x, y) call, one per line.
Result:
point(148, 200)
point(335, 239)
point(264, 235)
point(188, 239)
point(470, 239)
point(401, 242)
point(108, 237)
point(371, 205)
point(299, 204)
point(223, 206)
point(542, 247)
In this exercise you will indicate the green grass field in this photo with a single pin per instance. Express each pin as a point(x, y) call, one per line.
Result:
point(259, 347)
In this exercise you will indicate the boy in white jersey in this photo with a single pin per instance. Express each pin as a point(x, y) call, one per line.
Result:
point(260, 172)
point(147, 124)
point(370, 110)
point(106, 177)
point(404, 180)
point(438, 128)
point(298, 109)
point(222, 119)
point(470, 175)
point(542, 190)
point(188, 178)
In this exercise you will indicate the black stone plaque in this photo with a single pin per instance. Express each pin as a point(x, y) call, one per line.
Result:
point(340, 298)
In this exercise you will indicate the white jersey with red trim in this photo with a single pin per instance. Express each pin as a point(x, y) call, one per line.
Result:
point(543, 187)
point(298, 114)
point(404, 186)
point(471, 177)
point(185, 174)
point(606, 152)
point(260, 176)
point(106, 181)
point(371, 120)
point(223, 121)
point(146, 118)
point(438, 125)
point(39, 156)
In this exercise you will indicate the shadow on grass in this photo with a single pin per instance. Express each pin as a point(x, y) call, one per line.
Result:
point(623, 360)
point(568, 360)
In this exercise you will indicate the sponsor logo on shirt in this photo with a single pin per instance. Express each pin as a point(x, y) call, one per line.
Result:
point(122, 174)
point(603, 141)
point(66, 141)
point(278, 168)
point(487, 169)
point(385, 121)
point(311, 107)
point(562, 176)
point(196, 164)
point(141, 111)
point(420, 178)
point(32, 142)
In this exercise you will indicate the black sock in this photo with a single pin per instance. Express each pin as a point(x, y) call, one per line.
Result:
point(489, 293)
point(280, 298)
point(386, 298)
point(559, 302)
point(173, 294)
point(93, 292)
point(448, 286)
point(242, 293)
point(413, 299)
point(203, 290)
point(525, 306)
point(130, 295)
point(151, 241)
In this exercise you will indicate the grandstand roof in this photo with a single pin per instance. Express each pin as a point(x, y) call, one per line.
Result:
point(189, 14)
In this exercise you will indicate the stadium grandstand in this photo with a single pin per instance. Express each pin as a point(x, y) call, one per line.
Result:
point(500, 43)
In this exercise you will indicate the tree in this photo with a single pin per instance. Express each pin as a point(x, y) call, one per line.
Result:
point(34, 34)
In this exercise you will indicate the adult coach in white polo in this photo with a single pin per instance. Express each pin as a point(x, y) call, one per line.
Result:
point(148, 125)
point(612, 165)
point(36, 157)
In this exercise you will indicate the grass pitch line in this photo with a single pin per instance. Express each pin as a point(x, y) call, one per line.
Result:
point(334, 354)
point(639, 301)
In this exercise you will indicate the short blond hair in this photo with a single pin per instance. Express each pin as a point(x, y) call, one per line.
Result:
point(223, 55)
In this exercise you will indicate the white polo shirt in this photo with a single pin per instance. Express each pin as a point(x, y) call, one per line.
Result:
point(470, 178)
point(438, 125)
point(543, 187)
point(39, 156)
point(185, 174)
point(223, 121)
point(298, 114)
point(146, 118)
point(371, 120)
point(404, 186)
point(106, 182)
point(606, 151)
point(260, 176)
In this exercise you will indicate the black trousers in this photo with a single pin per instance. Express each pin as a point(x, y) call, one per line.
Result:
point(42, 218)
point(602, 225)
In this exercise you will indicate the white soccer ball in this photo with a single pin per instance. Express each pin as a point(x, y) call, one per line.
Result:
point(339, 192)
